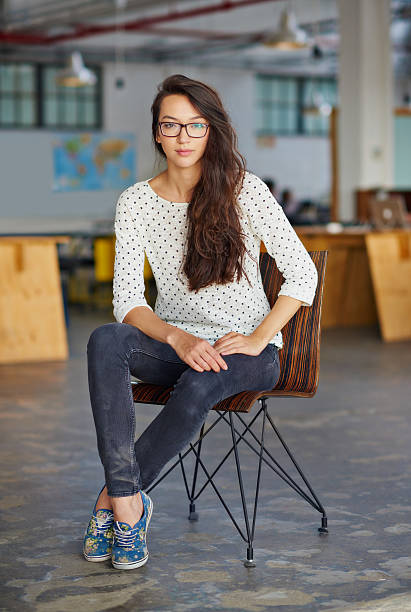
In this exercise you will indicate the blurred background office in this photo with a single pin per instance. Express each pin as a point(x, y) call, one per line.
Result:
point(77, 81)
point(319, 92)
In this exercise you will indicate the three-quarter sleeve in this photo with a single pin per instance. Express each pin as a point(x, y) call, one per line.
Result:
point(128, 282)
point(271, 225)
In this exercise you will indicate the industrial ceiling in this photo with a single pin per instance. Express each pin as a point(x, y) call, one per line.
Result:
point(221, 33)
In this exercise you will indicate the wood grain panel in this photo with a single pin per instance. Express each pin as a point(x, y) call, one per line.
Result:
point(32, 326)
point(390, 261)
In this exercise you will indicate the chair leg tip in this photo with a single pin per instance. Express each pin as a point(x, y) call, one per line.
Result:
point(324, 526)
point(192, 514)
point(249, 562)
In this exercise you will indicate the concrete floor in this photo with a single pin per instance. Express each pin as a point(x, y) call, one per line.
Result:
point(353, 440)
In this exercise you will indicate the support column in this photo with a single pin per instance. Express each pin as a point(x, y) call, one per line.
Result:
point(366, 122)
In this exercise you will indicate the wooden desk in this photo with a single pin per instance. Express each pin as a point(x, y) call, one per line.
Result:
point(348, 298)
point(32, 325)
point(348, 293)
point(351, 292)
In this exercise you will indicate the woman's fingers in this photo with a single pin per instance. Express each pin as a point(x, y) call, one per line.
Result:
point(209, 359)
point(217, 357)
point(200, 360)
point(200, 355)
point(195, 365)
point(230, 346)
point(215, 360)
point(227, 340)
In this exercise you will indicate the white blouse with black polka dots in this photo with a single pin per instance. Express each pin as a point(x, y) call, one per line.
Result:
point(145, 222)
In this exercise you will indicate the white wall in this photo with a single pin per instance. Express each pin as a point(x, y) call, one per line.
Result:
point(26, 180)
point(26, 169)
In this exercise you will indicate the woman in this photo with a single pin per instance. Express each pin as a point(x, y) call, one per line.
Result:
point(212, 334)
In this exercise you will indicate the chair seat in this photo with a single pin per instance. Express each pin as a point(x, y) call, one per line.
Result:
point(147, 393)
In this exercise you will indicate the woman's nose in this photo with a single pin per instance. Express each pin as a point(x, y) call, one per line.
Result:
point(183, 136)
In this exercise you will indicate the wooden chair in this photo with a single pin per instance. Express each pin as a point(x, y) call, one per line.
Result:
point(300, 362)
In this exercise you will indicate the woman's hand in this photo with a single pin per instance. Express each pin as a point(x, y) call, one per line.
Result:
point(196, 352)
point(233, 342)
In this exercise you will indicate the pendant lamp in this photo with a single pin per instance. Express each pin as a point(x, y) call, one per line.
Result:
point(288, 35)
point(76, 74)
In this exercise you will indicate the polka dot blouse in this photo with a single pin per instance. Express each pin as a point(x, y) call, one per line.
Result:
point(147, 223)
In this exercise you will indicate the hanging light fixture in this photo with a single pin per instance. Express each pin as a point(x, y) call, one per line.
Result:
point(76, 74)
point(317, 53)
point(119, 61)
point(288, 35)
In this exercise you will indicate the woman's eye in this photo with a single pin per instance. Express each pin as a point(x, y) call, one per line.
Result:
point(169, 126)
point(198, 126)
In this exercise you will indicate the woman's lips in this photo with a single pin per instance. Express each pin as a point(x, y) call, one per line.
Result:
point(184, 152)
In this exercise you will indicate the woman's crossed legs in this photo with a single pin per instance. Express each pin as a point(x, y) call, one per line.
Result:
point(115, 351)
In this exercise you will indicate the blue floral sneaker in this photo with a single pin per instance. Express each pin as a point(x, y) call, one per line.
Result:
point(129, 544)
point(98, 537)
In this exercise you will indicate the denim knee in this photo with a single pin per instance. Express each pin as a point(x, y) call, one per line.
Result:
point(112, 339)
point(202, 389)
point(102, 337)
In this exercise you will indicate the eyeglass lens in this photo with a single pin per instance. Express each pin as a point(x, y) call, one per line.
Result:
point(194, 130)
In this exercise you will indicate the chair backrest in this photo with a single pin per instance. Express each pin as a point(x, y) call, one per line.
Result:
point(300, 355)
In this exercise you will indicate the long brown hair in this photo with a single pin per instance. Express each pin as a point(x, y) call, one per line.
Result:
point(215, 246)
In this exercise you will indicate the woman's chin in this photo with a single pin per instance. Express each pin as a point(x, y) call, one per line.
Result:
point(184, 162)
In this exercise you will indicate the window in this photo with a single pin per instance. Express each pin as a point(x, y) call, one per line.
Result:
point(30, 98)
point(286, 105)
point(277, 105)
point(322, 91)
point(18, 95)
point(69, 107)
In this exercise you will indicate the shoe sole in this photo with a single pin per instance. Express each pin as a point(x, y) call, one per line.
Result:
point(135, 564)
point(96, 559)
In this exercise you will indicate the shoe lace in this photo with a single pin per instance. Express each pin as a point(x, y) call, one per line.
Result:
point(102, 524)
point(125, 539)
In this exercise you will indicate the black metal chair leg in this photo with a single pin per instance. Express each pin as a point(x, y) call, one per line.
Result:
point(192, 514)
point(260, 460)
point(324, 525)
point(324, 528)
point(249, 562)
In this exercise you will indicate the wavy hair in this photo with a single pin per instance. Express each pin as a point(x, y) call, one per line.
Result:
point(215, 248)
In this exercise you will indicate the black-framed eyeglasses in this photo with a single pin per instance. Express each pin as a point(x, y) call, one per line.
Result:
point(194, 130)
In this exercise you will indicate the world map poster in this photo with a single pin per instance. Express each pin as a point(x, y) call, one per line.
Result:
point(85, 161)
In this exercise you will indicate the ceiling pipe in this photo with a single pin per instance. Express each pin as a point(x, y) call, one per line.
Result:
point(190, 33)
point(45, 15)
point(128, 26)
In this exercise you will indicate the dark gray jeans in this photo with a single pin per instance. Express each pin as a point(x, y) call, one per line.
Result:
point(117, 350)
